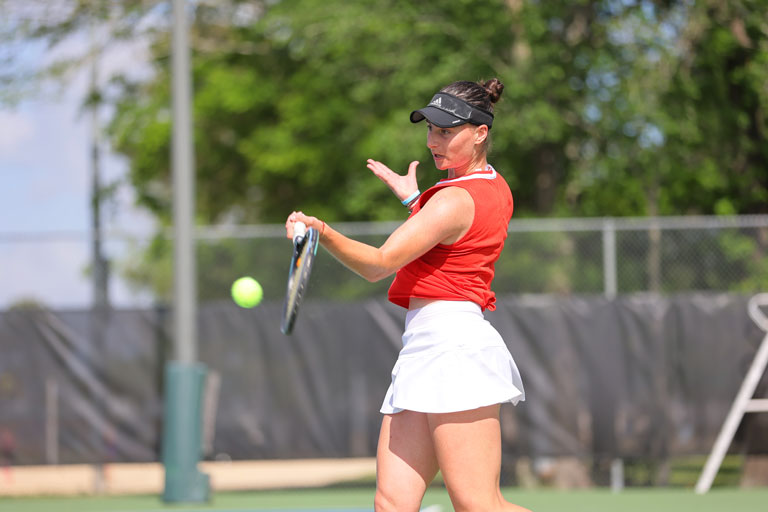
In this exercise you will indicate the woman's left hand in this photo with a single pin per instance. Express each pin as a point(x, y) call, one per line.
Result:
point(401, 186)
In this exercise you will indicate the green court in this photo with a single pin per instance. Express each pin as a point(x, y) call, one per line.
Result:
point(360, 500)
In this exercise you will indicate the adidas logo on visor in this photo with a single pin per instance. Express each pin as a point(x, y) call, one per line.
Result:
point(460, 110)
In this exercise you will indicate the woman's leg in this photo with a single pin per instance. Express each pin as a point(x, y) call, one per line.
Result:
point(405, 462)
point(468, 449)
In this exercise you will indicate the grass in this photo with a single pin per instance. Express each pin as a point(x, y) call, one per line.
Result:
point(360, 499)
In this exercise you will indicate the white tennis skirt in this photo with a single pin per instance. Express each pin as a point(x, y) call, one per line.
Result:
point(452, 360)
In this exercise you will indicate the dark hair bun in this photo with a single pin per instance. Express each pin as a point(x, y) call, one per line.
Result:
point(494, 87)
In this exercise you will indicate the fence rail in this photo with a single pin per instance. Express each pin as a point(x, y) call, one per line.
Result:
point(607, 256)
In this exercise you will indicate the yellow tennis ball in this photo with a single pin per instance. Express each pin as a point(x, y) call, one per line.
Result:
point(247, 292)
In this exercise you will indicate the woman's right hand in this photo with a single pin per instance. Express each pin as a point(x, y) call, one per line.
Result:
point(402, 186)
point(310, 222)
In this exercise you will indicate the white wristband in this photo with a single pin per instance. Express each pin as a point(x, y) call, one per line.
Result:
point(410, 198)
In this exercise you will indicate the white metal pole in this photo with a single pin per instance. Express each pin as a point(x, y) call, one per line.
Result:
point(184, 377)
point(185, 288)
point(617, 475)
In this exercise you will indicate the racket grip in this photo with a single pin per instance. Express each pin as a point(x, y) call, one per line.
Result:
point(299, 230)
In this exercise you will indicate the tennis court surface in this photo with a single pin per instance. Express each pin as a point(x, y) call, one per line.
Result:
point(360, 499)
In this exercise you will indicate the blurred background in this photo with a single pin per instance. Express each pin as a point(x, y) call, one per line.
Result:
point(634, 137)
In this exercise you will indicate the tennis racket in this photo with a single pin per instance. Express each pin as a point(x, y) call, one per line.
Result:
point(304, 251)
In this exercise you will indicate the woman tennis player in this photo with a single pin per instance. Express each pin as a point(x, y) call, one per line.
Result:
point(441, 411)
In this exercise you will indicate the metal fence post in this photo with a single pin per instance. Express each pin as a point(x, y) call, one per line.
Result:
point(610, 282)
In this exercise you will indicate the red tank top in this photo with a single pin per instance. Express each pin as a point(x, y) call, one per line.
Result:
point(463, 270)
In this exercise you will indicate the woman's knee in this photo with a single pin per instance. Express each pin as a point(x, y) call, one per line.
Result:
point(467, 500)
point(389, 501)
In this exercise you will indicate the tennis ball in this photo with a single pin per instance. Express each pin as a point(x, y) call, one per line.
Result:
point(247, 292)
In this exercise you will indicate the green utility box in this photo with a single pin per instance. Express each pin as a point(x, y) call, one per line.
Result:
point(182, 433)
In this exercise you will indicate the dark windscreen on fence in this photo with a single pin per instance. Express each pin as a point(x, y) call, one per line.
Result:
point(635, 376)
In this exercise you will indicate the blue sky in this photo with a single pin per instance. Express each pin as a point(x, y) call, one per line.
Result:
point(45, 174)
point(44, 169)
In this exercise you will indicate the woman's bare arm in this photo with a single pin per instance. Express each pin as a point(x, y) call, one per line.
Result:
point(445, 218)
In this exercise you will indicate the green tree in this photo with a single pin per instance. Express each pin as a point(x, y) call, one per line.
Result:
point(611, 107)
point(288, 109)
point(676, 118)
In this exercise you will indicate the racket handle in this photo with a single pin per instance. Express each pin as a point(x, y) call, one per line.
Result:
point(299, 230)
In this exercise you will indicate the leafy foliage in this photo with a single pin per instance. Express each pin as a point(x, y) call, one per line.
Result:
point(611, 107)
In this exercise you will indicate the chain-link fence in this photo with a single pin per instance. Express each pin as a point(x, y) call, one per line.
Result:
point(610, 256)
point(642, 377)
point(562, 256)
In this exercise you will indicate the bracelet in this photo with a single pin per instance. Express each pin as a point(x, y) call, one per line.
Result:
point(322, 230)
point(408, 200)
